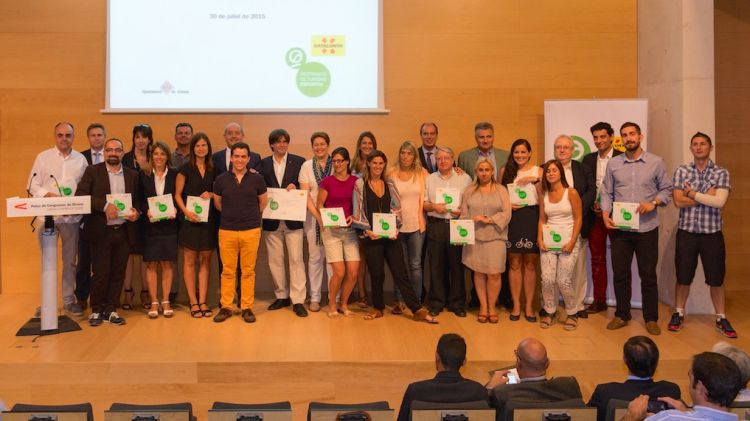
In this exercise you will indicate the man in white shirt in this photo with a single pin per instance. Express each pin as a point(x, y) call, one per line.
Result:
point(56, 172)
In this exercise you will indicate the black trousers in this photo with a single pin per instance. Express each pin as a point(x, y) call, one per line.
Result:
point(447, 287)
point(109, 259)
point(83, 270)
point(377, 254)
point(645, 246)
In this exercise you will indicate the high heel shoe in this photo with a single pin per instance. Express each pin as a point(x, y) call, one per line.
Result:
point(166, 309)
point(144, 299)
point(128, 299)
point(153, 311)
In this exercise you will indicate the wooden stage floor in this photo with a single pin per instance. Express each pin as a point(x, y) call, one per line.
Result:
point(283, 357)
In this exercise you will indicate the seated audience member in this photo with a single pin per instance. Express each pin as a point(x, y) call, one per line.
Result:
point(714, 382)
point(534, 386)
point(742, 360)
point(641, 356)
point(448, 386)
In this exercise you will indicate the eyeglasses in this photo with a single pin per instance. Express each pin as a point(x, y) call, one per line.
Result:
point(338, 161)
point(115, 150)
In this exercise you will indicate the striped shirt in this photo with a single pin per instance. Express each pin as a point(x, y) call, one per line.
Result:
point(701, 219)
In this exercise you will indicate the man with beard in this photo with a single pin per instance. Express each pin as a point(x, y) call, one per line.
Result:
point(636, 177)
point(108, 234)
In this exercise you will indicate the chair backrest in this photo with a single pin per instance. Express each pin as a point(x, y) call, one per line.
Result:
point(453, 411)
point(534, 411)
point(50, 409)
point(376, 411)
point(167, 412)
point(616, 409)
point(225, 411)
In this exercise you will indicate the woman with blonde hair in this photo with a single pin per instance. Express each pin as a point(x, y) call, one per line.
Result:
point(408, 176)
point(486, 203)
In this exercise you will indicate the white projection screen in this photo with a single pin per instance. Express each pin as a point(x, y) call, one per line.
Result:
point(217, 56)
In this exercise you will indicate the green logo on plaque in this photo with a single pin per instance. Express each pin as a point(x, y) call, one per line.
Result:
point(521, 194)
point(448, 200)
point(626, 215)
point(463, 232)
point(273, 204)
point(556, 237)
point(384, 225)
point(67, 191)
point(119, 205)
point(197, 208)
point(333, 217)
point(161, 206)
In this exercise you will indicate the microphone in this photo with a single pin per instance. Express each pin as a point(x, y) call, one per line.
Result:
point(28, 188)
point(59, 190)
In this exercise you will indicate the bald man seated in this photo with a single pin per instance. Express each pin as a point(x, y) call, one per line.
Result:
point(534, 386)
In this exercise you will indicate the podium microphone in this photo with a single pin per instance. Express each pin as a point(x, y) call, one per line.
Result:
point(28, 188)
point(59, 190)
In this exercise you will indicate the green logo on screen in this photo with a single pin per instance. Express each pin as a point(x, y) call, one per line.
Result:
point(313, 78)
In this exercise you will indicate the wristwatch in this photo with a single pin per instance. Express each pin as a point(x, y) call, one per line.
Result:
point(655, 203)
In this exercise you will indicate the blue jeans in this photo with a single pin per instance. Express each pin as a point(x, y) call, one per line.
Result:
point(411, 242)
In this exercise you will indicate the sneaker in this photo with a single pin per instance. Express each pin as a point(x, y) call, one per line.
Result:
point(114, 319)
point(675, 323)
point(616, 323)
point(74, 309)
point(653, 328)
point(723, 326)
point(95, 319)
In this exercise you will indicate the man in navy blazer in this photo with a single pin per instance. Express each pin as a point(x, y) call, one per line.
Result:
point(641, 355)
point(580, 178)
point(110, 236)
point(96, 133)
point(429, 133)
point(233, 133)
point(281, 171)
point(596, 162)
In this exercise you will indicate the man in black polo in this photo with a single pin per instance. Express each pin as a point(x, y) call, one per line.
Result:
point(240, 195)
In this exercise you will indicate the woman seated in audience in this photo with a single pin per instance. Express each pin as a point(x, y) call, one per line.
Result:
point(523, 253)
point(561, 211)
point(409, 178)
point(160, 235)
point(374, 194)
point(366, 143)
point(341, 243)
point(313, 171)
point(487, 204)
point(198, 239)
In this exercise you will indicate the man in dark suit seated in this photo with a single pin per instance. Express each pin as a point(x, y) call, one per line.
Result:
point(641, 356)
point(448, 386)
point(534, 386)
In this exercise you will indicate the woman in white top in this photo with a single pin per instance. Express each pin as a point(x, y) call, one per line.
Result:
point(561, 209)
point(409, 178)
point(313, 171)
point(523, 253)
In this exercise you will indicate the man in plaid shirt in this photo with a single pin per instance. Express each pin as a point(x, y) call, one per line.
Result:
point(700, 190)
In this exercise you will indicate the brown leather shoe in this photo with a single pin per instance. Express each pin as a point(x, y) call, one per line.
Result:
point(653, 328)
point(616, 323)
point(597, 307)
point(248, 316)
point(222, 315)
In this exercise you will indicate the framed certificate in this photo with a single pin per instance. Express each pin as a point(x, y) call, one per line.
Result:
point(462, 231)
point(200, 207)
point(384, 225)
point(123, 203)
point(286, 205)
point(625, 215)
point(450, 196)
point(161, 207)
point(333, 217)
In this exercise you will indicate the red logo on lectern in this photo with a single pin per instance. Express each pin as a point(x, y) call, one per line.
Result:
point(21, 206)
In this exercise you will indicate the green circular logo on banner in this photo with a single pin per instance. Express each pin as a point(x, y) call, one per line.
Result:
point(313, 79)
point(581, 148)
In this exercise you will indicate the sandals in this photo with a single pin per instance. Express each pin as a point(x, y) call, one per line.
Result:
point(493, 318)
point(205, 312)
point(482, 318)
point(546, 322)
point(362, 302)
point(129, 294)
point(375, 314)
point(153, 311)
point(196, 314)
point(166, 311)
point(144, 299)
point(571, 323)
point(398, 308)
point(422, 315)
point(334, 314)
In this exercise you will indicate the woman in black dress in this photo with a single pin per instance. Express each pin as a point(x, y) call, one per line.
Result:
point(137, 158)
point(159, 236)
point(198, 239)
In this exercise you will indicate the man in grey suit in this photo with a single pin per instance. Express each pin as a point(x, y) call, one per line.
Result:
point(533, 385)
point(484, 134)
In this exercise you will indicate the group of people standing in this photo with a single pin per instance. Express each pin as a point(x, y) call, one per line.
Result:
point(220, 197)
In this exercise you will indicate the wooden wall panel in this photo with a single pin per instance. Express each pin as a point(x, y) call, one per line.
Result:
point(732, 64)
point(455, 63)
